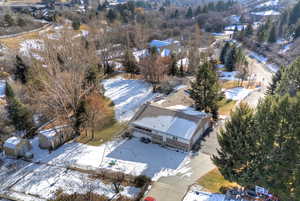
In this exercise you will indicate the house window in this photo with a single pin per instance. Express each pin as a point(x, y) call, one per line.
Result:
point(174, 138)
point(144, 129)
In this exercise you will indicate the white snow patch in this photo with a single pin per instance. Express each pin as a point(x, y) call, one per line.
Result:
point(28, 45)
point(196, 195)
point(228, 75)
point(187, 110)
point(285, 48)
point(128, 95)
point(268, 4)
point(177, 88)
point(266, 13)
point(2, 88)
point(258, 57)
point(12, 142)
point(273, 67)
point(238, 93)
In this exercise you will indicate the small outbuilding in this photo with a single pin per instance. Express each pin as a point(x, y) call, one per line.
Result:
point(51, 138)
point(16, 147)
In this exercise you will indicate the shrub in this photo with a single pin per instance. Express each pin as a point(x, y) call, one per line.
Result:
point(141, 180)
point(76, 24)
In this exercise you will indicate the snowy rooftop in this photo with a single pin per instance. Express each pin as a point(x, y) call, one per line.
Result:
point(50, 133)
point(2, 88)
point(268, 4)
point(159, 43)
point(266, 13)
point(179, 122)
point(12, 142)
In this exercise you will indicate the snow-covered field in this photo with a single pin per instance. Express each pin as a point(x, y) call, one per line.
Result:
point(127, 95)
point(238, 93)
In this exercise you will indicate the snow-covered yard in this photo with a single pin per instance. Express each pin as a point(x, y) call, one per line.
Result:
point(50, 172)
point(43, 181)
point(127, 156)
point(127, 95)
point(238, 93)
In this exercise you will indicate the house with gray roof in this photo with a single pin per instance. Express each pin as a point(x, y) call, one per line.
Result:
point(169, 127)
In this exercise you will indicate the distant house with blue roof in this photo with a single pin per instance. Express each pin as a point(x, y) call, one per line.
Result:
point(165, 47)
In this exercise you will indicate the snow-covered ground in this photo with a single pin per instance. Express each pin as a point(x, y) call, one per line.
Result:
point(43, 181)
point(268, 4)
point(285, 48)
point(28, 45)
point(2, 88)
point(228, 75)
point(195, 195)
point(130, 157)
point(266, 13)
point(238, 93)
point(51, 173)
point(273, 67)
point(258, 57)
point(127, 95)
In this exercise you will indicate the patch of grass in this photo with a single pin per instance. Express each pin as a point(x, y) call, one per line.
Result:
point(106, 134)
point(214, 180)
point(233, 84)
point(14, 42)
point(226, 106)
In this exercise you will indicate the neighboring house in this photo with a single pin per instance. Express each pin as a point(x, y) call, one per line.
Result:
point(166, 47)
point(16, 147)
point(177, 129)
point(53, 137)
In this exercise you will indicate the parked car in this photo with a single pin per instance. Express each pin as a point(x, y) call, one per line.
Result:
point(145, 140)
point(149, 199)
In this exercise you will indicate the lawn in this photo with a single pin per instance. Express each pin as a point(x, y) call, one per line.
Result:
point(104, 135)
point(213, 181)
point(233, 83)
point(226, 106)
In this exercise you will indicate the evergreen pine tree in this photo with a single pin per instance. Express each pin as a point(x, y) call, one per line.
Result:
point(236, 145)
point(224, 51)
point(189, 13)
point(272, 36)
point(111, 15)
point(205, 91)
point(295, 14)
point(173, 66)
point(249, 30)
point(129, 62)
point(275, 81)
point(230, 59)
point(198, 11)
point(297, 32)
point(21, 71)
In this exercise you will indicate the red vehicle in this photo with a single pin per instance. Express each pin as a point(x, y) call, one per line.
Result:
point(149, 199)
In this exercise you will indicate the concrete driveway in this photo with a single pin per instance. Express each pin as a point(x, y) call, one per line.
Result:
point(174, 188)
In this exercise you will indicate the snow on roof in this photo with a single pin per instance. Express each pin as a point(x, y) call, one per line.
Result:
point(187, 110)
point(2, 88)
point(233, 27)
point(195, 195)
point(184, 62)
point(159, 43)
point(166, 52)
point(50, 133)
point(181, 123)
point(268, 4)
point(258, 57)
point(12, 142)
point(266, 13)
